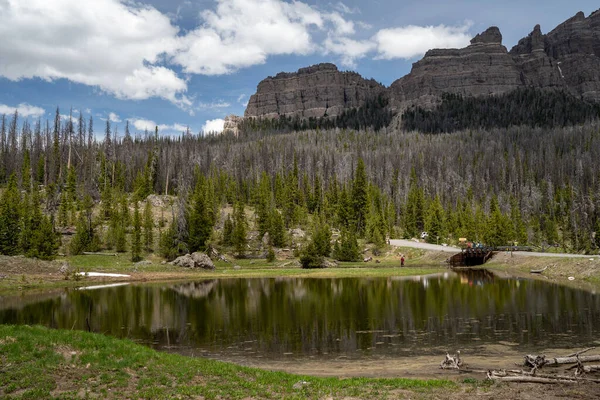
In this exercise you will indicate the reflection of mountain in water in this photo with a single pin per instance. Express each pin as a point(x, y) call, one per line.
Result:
point(350, 316)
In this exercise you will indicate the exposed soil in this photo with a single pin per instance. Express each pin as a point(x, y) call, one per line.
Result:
point(496, 357)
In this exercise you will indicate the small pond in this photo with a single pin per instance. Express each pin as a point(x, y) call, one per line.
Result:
point(235, 319)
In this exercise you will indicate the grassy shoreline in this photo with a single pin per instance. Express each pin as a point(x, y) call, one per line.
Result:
point(19, 274)
point(45, 363)
point(79, 364)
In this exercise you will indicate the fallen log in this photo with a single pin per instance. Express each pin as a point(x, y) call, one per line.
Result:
point(591, 368)
point(89, 253)
point(535, 361)
point(580, 352)
point(570, 360)
point(525, 373)
point(503, 377)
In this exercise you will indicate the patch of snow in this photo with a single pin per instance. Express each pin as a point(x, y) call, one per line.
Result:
point(560, 70)
point(103, 274)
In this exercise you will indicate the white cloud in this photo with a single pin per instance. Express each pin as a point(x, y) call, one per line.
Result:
point(241, 33)
point(177, 128)
point(342, 26)
point(114, 117)
point(112, 44)
point(135, 52)
point(214, 105)
point(149, 125)
point(341, 7)
point(143, 124)
point(243, 99)
point(350, 50)
point(214, 125)
point(412, 41)
point(25, 110)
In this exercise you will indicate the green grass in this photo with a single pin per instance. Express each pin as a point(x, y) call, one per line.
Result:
point(253, 268)
point(41, 363)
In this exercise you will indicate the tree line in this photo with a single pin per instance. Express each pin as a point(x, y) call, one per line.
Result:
point(522, 107)
point(520, 184)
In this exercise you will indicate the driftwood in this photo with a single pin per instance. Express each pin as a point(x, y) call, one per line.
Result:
point(89, 253)
point(526, 373)
point(580, 352)
point(571, 360)
point(451, 362)
point(528, 379)
point(535, 363)
point(538, 271)
point(540, 361)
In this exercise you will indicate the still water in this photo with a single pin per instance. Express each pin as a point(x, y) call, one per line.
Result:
point(349, 317)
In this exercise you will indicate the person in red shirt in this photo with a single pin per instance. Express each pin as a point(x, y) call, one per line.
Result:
point(402, 260)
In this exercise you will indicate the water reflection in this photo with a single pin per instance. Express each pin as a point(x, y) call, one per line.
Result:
point(327, 317)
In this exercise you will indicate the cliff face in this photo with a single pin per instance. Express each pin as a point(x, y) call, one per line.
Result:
point(483, 68)
point(311, 92)
point(567, 58)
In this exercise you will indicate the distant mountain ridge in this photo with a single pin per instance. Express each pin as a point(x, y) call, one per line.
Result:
point(567, 58)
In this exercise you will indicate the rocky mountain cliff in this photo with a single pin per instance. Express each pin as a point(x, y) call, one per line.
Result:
point(316, 91)
point(567, 58)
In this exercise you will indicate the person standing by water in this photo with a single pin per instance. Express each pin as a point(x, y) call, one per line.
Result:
point(402, 260)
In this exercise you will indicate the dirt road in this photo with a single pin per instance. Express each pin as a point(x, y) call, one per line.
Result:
point(451, 249)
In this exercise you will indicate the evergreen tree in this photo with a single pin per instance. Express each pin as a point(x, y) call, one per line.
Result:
point(359, 198)
point(85, 238)
point(228, 232)
point(270, 254)
point(344, 209)
point(322, 238)
point(499, 229)
point(291, 195)
point(319, 246)
point(10, 219)
point(40, 173)
point(148, 233)
point(170, 245)
point(136, 241)
point(200, 222)
point(263, 205)
point(346, 249)
point(38, 239)
point(414, 209)
point(239, 239)
point(277, 232)
point(435, 222)
point(26, 172)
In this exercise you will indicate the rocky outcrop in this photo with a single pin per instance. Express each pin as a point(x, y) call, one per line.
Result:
point(316, 91)
point(483, 68)
point(567, 58)
point(194, 260)
point(231, 124)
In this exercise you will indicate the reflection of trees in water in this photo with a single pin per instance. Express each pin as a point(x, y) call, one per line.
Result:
point(195, 290)
point(329, 315)
point(475, 276)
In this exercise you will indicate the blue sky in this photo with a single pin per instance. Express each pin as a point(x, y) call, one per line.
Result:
point(178, 63)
